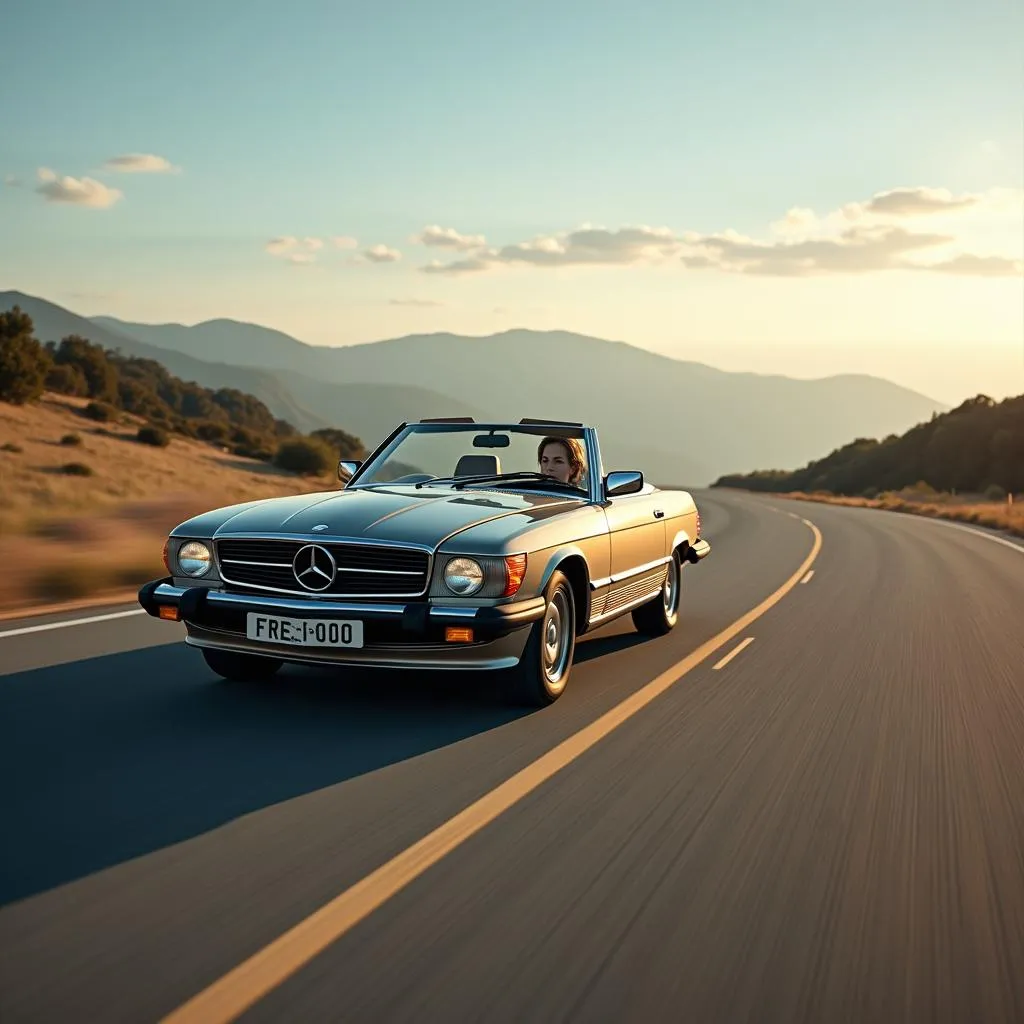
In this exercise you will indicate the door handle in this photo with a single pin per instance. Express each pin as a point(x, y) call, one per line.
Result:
point(658, 513)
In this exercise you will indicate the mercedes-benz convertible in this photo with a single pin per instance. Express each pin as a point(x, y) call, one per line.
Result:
point(454, 545)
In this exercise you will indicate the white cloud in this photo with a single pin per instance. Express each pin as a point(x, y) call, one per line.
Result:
point(856, 238)
point(416, 303)
point(979, 266)
point(293, 249)
point(76, 191)
point(345, 242)
point(448, 238)
point(382, 254)
point(141, 163)
point(12, 181)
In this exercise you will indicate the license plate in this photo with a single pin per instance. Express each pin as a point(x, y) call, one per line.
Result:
point(278, 629)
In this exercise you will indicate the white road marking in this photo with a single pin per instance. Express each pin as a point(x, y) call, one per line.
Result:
point(63, 623)
point(732, 654)
point(970, 529)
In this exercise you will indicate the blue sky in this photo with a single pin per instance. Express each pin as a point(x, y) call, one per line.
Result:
point(521, 123)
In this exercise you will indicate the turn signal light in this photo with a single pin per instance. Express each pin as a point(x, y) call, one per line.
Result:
point(168, 611)
point(515, 570)
point(458, 634)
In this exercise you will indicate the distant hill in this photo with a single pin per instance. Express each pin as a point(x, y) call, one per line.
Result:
point(687, 421)
point(681, 422)
point(974, 448)
point(369, 411)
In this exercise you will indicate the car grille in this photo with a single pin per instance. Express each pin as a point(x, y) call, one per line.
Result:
point(363, 570)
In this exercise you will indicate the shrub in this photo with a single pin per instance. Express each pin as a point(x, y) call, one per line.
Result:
point(71, 440)
point(100, 411)
point(155, 436)
point(306, 455)
point(66, 582)
point(995, 493)
point(76, 469)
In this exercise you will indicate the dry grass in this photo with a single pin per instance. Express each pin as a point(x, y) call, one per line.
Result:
point(999, 515)
point(66, 536)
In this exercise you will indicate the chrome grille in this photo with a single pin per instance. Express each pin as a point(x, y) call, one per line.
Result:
point(363, 570)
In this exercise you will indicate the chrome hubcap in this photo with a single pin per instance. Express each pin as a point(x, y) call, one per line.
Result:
point(556, 640)
point(670, 592)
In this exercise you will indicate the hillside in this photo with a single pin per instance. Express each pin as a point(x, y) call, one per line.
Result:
point(686, 421)
point(309, 403)
point(681, 422)
point(66, 535)
point(965, 465)
point(975, 447)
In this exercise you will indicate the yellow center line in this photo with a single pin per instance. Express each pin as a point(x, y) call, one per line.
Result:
point(232, 994)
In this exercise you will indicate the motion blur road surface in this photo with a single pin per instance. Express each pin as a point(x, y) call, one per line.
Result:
point(828, 827)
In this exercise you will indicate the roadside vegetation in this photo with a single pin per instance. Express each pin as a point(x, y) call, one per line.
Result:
point(100, 455)
point(966, 464)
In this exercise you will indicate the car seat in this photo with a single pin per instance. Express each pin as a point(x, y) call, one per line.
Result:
point(477, 465)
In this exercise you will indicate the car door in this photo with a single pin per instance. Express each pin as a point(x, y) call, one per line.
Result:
point(637, 539)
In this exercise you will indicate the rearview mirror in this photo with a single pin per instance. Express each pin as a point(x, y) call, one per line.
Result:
point(627, 481)
point(347, 470)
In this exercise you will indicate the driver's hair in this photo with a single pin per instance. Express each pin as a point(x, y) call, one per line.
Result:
point(574, 452)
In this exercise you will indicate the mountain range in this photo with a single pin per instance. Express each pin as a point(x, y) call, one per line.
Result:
point(681, 422)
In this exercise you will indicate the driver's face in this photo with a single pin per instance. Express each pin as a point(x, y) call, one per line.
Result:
point(555, 462)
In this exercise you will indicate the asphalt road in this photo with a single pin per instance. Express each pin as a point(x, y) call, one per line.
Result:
point(829, 827)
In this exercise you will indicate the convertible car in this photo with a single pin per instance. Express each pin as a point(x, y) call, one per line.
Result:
point(454, 545)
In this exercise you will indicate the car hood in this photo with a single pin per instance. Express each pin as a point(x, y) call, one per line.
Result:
point(400, 514)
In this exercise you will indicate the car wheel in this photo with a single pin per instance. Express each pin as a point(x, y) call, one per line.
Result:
point(660, 615)
point(543, 671)
point(240, 667)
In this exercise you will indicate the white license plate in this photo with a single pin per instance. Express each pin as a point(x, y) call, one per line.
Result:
point(278, 629)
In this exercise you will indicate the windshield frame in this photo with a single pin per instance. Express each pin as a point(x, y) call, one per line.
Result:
point(540, 428)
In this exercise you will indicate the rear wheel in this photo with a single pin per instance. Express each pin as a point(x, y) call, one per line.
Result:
point(660, 615)
point(543, 671)
point(240, 667)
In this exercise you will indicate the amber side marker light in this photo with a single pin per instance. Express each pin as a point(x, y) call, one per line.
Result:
point(168, 612)
point(458, 634)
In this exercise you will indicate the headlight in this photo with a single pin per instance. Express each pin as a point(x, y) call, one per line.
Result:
point(194, 558)
point(463, 576)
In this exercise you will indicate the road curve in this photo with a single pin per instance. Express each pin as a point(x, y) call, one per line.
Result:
point(828, 826)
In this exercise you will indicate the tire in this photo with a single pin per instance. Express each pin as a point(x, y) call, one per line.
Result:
point(238, 667)
point(660, 615)
point(543, 671)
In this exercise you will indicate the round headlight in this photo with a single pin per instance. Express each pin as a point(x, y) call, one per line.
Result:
point(194, 558)
point(463, 576)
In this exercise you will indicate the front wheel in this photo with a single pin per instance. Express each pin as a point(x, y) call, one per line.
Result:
point(660, 615)
point(543, 671)
point(240, 667)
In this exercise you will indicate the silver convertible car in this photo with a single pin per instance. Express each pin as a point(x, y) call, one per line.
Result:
point(454, 545)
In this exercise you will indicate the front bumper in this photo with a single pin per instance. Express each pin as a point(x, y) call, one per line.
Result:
point(397, 635)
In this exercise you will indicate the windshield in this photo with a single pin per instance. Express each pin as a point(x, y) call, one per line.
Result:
point(456, 453)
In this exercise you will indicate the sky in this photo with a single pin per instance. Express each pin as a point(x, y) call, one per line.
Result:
point(786, 187)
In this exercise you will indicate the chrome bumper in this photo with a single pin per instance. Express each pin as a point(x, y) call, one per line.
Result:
point(402, 635)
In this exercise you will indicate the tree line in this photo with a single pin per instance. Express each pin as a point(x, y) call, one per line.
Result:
point(117, 384)
point(976, 448)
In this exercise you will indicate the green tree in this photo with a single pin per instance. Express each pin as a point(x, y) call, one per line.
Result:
point(24, 363)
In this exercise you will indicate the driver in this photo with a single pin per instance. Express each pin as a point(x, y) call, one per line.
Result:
point(564, 458)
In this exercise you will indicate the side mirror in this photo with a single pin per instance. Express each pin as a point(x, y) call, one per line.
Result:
point(347, 470)
point(624, 482)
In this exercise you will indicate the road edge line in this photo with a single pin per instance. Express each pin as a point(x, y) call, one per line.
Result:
point(233, 993)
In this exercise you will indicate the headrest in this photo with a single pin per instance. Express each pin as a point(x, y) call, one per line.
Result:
point(478, 465)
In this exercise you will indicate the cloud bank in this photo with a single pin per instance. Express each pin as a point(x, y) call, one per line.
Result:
point(883, 233)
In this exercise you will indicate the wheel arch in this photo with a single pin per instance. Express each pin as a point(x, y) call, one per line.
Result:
point(574, 565)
